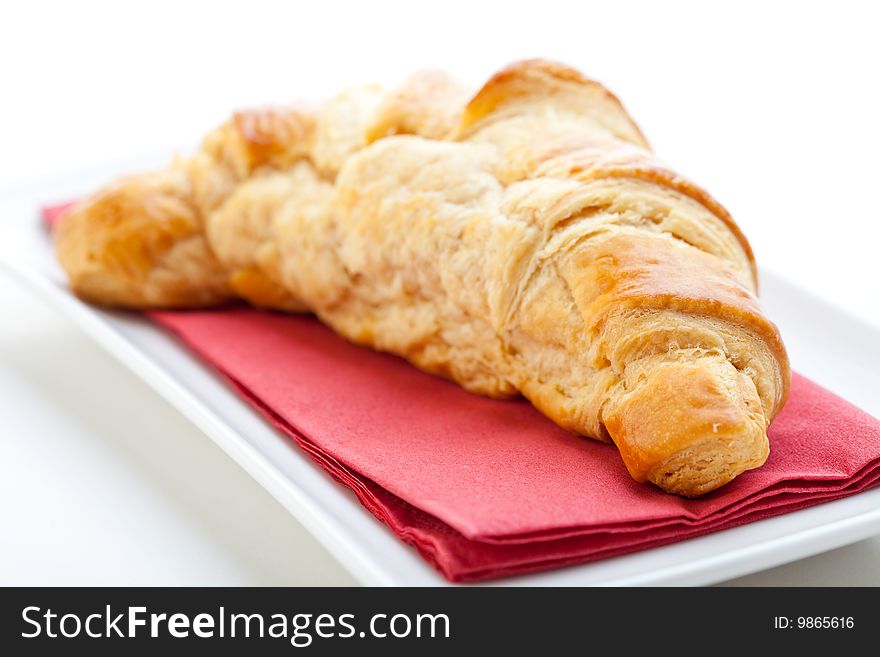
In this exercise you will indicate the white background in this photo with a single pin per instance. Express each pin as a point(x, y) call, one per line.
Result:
point(773, 107)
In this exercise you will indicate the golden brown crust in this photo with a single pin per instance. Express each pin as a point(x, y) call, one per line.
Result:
point(627, 271)
point(524, 242)
point(686, 408)
point(140, 243)
point(428, 104)
point(527, 80)
point(561, 152)
point(274, 136)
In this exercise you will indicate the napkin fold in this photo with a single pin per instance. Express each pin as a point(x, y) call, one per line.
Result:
point(485, 488)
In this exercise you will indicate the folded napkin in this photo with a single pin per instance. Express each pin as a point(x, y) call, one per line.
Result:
point(485, 488)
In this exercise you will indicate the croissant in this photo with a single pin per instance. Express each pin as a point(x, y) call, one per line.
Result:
point(523, 241)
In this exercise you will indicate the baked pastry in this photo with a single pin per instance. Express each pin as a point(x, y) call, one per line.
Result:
point(521, 241)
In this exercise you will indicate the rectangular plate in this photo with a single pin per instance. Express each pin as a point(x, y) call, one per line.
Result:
point(831, 347)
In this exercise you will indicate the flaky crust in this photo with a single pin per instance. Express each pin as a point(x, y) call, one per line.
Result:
point(520, 241)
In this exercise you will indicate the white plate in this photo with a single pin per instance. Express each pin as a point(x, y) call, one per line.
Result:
point(825, 344)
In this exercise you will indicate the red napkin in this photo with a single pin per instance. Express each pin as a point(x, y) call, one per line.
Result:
point(486, 488)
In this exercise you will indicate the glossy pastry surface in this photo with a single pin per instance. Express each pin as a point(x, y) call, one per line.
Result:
point(523, 240)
